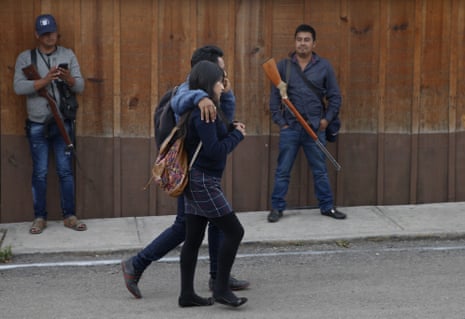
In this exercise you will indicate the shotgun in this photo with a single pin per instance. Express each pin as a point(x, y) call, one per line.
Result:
point(271, 71)
point(32, 74)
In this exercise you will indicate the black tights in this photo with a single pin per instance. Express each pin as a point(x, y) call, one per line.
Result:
point(195, 230)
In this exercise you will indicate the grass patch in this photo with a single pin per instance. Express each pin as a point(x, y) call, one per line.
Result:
point(5, 254)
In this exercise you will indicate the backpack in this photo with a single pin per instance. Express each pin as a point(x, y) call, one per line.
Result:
point(163, 119)
point(68, 101)
point(170, 169)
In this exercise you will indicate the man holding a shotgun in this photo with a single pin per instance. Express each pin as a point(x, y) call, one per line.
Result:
point(36, 74)
point(306, 80)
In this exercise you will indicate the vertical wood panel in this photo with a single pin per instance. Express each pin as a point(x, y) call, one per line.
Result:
point(383, 38)
point(415, 126)
point(177, 21)
point(432, 165)
point(344, 77)
point(135, 25)
point(251, 108)
point(399, 30)
point(435, 67)
point(361, 107)
point(361, 112)
point(267, 171)
point(98, 55)
point(21, 15)
point(454, 46)
point(460, 101)
point(399, 65)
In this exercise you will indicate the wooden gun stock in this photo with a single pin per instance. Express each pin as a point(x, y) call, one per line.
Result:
point(32, 74)
point(271, 71)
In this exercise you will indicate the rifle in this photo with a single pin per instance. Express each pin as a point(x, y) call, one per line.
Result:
point(32, 74)
point(271, 71)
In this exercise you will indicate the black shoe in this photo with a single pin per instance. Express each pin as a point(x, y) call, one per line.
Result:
point(131, 277)
point(233, 302)
point(275, 215)
point(334, 213)
point(234, 284)
point(194, 301)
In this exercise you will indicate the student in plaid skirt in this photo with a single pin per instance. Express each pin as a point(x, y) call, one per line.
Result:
point(204, 198)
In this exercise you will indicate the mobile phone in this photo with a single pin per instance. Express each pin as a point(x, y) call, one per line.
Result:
point(63, 65)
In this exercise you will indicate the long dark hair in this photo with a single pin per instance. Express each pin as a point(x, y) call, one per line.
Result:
point(204, 75)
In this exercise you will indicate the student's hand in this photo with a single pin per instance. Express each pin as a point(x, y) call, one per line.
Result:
point(207, 110)
point(240, 127)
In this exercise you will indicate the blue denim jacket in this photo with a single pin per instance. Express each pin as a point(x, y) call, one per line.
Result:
point(320, 72)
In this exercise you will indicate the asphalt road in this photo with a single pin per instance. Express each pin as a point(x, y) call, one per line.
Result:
point(413, 279)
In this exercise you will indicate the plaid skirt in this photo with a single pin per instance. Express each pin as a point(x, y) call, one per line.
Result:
point(204, 197)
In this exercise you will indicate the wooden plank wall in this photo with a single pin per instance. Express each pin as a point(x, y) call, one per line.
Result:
point(399, 64)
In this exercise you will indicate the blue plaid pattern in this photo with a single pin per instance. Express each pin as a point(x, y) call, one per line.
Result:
point(204, 196)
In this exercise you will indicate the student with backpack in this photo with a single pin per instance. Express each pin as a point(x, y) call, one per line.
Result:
point(205, 200)
point(174, 235)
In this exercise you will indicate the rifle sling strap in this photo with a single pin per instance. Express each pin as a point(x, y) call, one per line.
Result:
point(34, 62)
point(304, 78)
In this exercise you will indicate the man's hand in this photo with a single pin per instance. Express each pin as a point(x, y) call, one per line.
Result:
point(207, 110)
point(282, 86)
point(53, 74)
point(65, 75)
point(323, 124)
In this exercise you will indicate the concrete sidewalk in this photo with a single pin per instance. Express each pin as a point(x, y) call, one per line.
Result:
point(307, 225)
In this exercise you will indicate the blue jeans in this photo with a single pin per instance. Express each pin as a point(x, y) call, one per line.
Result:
point(290, 140)
point(40, 146)
point(172, 237)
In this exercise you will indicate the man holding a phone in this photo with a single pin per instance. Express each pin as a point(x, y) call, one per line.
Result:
point(54, 63)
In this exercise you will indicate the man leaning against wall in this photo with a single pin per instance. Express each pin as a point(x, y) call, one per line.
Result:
point(53, 63)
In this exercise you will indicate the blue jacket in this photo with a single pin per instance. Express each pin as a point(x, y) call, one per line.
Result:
point(186, 99)
point(320, 72)
point(217, 143)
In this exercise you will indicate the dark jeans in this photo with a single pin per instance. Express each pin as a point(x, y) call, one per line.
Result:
point(172, 237)
point(290, 141)
point(40, 146)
